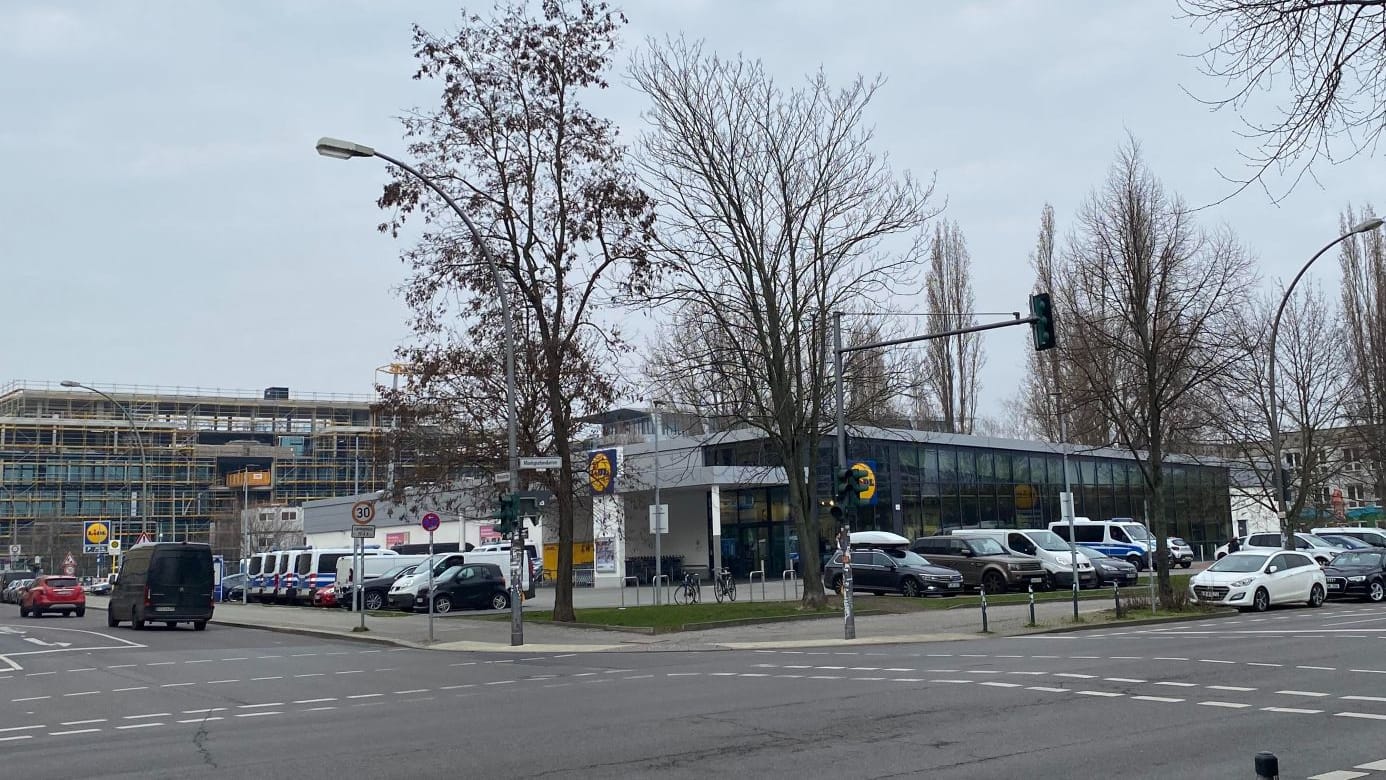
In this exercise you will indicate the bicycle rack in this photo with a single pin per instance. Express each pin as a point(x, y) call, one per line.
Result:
point(654, 585)
point(786, 577)
point(750, 585)
point(636, 580)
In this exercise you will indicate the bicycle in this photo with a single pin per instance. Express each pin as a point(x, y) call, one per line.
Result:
point(689, 591)
point(725, 587)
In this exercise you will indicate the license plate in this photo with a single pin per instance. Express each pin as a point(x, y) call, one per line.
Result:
point(1037, 579)
point(163, 609)
point(1334, 586)
point(955, 584)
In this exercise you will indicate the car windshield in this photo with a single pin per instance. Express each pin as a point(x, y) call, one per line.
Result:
point(1048, 540)
point(987, 547)
point(908, 558)
point(1091, 553)
point(395, 571)
point(1358, 559)
point(61, 582)
point(1176, 540)
point(1239, 563)
point(1137, 532)
point(1315, 541)
point(1346, 541)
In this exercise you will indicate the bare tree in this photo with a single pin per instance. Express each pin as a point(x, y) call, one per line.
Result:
point(774, 214)
point(1363, 259)
point(953, 363)
point(1311, 385)
point(1329, 55)
point(1152, 297)
point(549, 187)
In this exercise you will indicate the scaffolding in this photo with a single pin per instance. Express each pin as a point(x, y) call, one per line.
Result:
point(69, 456)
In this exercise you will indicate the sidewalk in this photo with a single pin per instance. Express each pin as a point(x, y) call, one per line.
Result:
point(489, 632)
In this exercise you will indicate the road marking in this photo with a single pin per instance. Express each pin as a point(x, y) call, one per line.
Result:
point(151, 715)
point(71, 732)
point(1367, 715)
point(238, 658)
point(945, 682)
point(1107, 694)
point(1228, 688)
point(366, 696)
point(455, 687)
point(1369, 671)
point(1363, 698)
point(315, 701)
point(268, 704)
point(1170, 658)
point(1001, 684)
point(161, 663)
point(1231, 705)
point(1256, 663)
point(21, 728)
point(221, 682)
point(39, 674)
point(1167, 699)
point(1178, 684)
point(121, 666)
point(311, 674)
point(1302, 693)
point(82, 693)
point(139, 726)
point(1214, 661)
point(747, 674)
point(1075, 675)
point(280, 656)
point(83, 669)
point(208, 709)
point(1124, 680)
point(695, 674)
point(31, 698)
point(199, 661)
point(135, 688)
point(256, 714)
point(1291, 710)
point(1338, 774)
point(1374, 766)
point(12, 739)
point(82, 722)
point(415, 690)
point(353, 671)
point(319, 709)
point(1318, 668)
point(1045, 688)
point(176, 685)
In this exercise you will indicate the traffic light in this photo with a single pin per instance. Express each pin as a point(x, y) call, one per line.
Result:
point(507, 514)
point(1044, 328)
point(851, 483)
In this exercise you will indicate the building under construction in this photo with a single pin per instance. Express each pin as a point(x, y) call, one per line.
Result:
point(171, 464)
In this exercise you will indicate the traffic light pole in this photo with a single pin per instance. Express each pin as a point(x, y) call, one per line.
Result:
point(849, 621)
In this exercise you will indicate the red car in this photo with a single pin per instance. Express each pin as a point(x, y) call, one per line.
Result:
point(53, 593)
point(324, 597)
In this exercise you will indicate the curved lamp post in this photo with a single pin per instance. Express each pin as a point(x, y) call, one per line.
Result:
point(345, 150)
point(139, 442)
point(1277, 477)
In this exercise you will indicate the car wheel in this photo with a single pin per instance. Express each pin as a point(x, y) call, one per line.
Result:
point(22, 611)
point(1316, 596)
point(70, 613)
point(1261, 601)
point(374, 600)
point(442, 605)
point(81, 612)
point(1137, 561)
point(1376, 592)
point(111, 620)
point(199, 625)
point(500, 600)
point(136, 622)
point(994, 582)
point(837, 585)
point(910, 587)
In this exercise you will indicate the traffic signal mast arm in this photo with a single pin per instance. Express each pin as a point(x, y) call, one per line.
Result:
point(944, 334)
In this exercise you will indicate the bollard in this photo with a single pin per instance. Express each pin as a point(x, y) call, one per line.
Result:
point(1116, 594)
point(1032, 605)
point(1267, 766)
point(984, 610)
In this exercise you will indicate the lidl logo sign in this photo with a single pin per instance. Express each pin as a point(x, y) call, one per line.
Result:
point(868, 494)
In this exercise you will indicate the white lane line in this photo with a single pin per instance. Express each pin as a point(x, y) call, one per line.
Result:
point(320, 709)
point(1170, 658)
point(121, 666)
point(1126, 658)
point(1242, 688)
point(455, 687)
point(1166, 699)
point(70, 732)
point(31, 698)
point(200, 661)
point(82, 722)
point(151, 715)
point(695, 674)
point(1214, 661)
point(259, 679)
point(208, 709)
point(746, 674)
point(161, 663)
point(1075, 675)
point(1123, 679)
point(83, 669)
point(1302, 693)
point(266, 704)
point(221, 682)
point(176, 685)
point(139, 726)
point(1257, 663)
point(1363, 698)
point(280, 656)
point(82, 693)
point(12, 739)
point(366, 696)
point(414, 690)
point(1374, 766)
point(1338, 774)
point(1369, 671)
point(256, 714)
point(315, 701)
point(21, 728)
point(237, 658)
point(312, 674)
point(1318, 668)
point(132, 688)
point(945, 682)
point(39, 674)
point(1291, 710)
point(1231, 705)
point(1367, 715)
point(1045, 688)
point(1106, 694)
point(1177, 684)
point(197, 720)
point(1000, 684)
point(353, 671)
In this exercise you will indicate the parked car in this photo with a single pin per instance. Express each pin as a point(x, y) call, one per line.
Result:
point(1358, 573)
point(480, 585)
point(1320, 550)
point(1180, 553)
point(982, 562)
point(324, 597)
point(53, 593)
point(170, 582)
point(100, 587)
point(376, 590)
point(233, 587)
point(1110, 570)
point(15, 590)
point(1047, 547)
point(1376, 537)
point(1348, 543)
point(1257, 579)
point(893, 571)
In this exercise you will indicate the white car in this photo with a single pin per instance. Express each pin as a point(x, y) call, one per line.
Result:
point(1320, 550)
point(1180, 553)
point(1256, 579)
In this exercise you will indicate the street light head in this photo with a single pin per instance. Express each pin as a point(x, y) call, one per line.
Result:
point(1369, 224)
point(338, 149)
point(70, 383)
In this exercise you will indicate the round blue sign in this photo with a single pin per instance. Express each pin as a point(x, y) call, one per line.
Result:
point(430, 522)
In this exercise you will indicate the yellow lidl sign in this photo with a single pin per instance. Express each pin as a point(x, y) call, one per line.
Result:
point(868, 492)
point(97, 532)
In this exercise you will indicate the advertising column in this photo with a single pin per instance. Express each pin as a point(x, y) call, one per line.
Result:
point(608, 519)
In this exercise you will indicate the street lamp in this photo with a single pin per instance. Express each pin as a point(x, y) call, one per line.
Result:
point(1278, 480)
point(345, 150)
point(139, 442)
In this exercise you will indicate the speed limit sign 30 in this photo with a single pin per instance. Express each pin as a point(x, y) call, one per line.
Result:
point(363, 512)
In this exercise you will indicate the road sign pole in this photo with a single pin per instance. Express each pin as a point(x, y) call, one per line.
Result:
point(358, 596)
point(430, 587)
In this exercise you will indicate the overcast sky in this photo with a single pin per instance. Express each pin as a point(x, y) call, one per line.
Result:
point(165, 220)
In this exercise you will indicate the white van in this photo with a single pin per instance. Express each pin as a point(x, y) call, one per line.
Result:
point(406, 589)
point(1053, 553)
point(1120, 537)
point(316, 569)
point(266, 585)
point(1373, 536)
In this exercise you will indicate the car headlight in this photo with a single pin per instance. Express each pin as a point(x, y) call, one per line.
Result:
point(1242, 583)
point(1358, 578)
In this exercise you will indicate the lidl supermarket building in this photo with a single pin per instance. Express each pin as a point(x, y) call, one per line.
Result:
point(728, 499)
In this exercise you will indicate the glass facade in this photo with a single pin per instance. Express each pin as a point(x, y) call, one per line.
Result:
point(923, 487)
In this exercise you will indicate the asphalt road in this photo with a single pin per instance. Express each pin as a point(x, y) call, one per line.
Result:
point(1187, 700)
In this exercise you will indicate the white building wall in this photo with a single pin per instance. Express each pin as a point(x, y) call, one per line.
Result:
point(1250, 508)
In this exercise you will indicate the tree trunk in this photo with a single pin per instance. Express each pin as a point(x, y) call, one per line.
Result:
point(810, 567)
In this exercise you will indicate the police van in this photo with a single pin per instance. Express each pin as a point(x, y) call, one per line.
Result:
point(1120, 537)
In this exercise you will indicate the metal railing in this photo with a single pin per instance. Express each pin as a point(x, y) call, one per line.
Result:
point(751, 584)
point(654, 584)
point(788, 577)
point(115, 388)
point(624, 583)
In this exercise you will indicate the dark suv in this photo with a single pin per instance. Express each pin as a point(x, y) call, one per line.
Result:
point(468, 585)
point(893, 571)
point(982, 561)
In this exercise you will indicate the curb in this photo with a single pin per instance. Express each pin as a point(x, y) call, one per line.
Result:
point(1133, 623)
point(314, 632)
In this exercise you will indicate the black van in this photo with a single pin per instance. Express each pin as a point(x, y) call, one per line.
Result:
point(166, 581)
